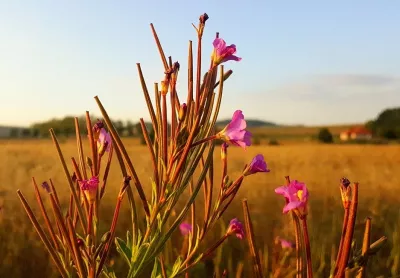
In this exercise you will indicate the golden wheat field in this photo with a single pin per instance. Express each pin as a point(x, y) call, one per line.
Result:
point(376, 168)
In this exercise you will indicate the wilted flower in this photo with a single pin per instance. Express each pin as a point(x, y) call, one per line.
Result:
point(98, 126)
point(296, 195)
point(235, 227)
point(285, 243)
point(185, 228)
point(89, 187)
point(235, 132)
point(257, 165)
point(223, 53)
point(104, 141)
point(46, 186)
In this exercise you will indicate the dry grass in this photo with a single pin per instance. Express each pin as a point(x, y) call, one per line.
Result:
point(377, 168)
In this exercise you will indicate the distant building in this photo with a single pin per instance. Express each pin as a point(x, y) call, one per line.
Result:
point(356, 133)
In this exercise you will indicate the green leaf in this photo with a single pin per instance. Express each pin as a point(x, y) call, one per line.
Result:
point(156, 273)
point(123, 249)
point(177, 266)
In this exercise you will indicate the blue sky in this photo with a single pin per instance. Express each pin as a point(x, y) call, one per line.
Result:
point(304, 62)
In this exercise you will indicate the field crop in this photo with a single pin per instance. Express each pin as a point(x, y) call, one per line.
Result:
point(376, 168)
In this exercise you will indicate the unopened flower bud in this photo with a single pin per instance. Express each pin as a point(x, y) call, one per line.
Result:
point(257, 165)
point(182, 112)
point(105, 237)
point(203, 18)
point(79, 242)
point(226, 179)
point(74, 178)
point(89, 162)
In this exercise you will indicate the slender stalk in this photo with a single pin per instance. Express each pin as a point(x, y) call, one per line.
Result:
point(190, 77)
point(198, 72)
point(153, 156)
point(61, 223)
point(163, 272)
point(204, 140)
point(299, 257)
point(307, 247)
point(42, 235)
point(80, 149)
point(67, 175)
point(106, 171)
point(45, 216)
point(90, 223)
point(160, 49)
point(108, 245)
point(192, 210)
point(344, 229)
point(366, 244)
point(77, 253)
point(349, 233)
point(125, 155)
point(148, 100)
point(131, 199)
point(92, 144)
point(251, 241)
point(164, 131)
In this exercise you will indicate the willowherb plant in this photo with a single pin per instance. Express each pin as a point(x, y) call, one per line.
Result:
point(181, 152)
point(177, 151)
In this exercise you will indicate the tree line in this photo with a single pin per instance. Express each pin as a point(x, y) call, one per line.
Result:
point(66, 127)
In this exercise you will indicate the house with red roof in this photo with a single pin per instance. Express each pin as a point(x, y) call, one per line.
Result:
point(356, 133)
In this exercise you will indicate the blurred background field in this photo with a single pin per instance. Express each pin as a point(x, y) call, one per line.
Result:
point(320, 166)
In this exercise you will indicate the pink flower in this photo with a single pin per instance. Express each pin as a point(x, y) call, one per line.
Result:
point(285, 243)
point(235, 132)
point(235, 227)
point(296, 195)
point(257, 165)
point(223, 53)
point(89, 187)
point(185, 228)
point(104, 141)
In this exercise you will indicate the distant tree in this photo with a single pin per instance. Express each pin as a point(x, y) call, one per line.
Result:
point(325, 136)
point(130, 128)
point(387, 124)
point(35, 132)
point(26, 132)
point(119, 126)
point(256, 140)
point(273, 142)
point(14, 133)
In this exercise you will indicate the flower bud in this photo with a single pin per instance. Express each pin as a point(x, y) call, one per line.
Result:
point(105, 237)
point(182, 112)
point(89, 162)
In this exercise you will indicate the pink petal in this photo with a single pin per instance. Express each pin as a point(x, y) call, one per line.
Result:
point(237, 121)
point(292, 205)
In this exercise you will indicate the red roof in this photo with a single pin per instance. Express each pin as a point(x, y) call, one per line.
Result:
point(360, 130)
